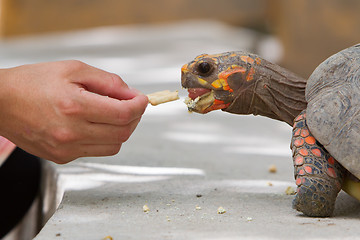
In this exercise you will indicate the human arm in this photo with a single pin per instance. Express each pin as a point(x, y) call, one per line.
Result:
point(64, 110)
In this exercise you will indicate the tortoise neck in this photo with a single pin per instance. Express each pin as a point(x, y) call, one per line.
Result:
point(278, 94)
point(274, 92)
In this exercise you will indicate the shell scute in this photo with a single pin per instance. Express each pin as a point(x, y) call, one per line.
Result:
point(333, 111)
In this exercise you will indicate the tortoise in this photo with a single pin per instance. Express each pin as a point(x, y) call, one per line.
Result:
point(324, 112)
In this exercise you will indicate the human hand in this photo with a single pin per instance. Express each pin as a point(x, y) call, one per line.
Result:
point(64, 110)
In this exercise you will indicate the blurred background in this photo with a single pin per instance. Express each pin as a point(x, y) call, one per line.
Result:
point(308, 30)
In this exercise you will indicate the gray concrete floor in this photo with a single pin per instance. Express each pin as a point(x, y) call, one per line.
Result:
point(182, 166)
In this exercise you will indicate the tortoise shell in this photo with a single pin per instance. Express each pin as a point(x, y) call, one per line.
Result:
point(333, 111)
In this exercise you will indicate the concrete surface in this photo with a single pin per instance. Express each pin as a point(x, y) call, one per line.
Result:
point(182, 166)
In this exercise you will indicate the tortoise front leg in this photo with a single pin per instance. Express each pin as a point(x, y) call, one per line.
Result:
point(318, 176)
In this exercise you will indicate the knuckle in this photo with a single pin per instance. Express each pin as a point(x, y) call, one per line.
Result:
point(62, 136)
point(115, 78)
point(69, 66)
point(75, 65)
point(68, 106)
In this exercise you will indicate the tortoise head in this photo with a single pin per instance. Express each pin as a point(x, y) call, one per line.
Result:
point(220, 81)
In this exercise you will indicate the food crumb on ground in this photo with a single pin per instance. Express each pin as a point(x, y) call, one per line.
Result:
point(221, 210)
point(290, 191)
point(269, 184)
point(197, 207)
point(272, 169)
point(108, 238)
point(146, 208)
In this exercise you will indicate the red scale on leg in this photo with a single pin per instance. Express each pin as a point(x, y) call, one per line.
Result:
point(331, 160)
point(297, 133)
point(316, 151)
point(317, 174)
point(299, 160)
point(304, 133)
point(300, 117)
point(308, 169)
point(331, 172)
point(303, 152)
point(301, 172)
point(298, 181)
point(299, 142)
point(310, 140)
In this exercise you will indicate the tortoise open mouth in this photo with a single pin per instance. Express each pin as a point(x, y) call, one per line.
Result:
point(202, 100)
point(197, 92)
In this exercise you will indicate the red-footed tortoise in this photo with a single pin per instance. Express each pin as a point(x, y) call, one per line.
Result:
point(324, 112)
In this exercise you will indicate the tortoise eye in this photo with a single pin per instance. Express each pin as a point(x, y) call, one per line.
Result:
point(204, 68)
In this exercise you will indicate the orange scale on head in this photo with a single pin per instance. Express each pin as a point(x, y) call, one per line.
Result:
point(247, 59)
point(250, 75)
point(258, 60)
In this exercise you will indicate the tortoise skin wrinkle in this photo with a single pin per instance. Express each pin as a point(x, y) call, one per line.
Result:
point(250, 84)
point(324, 112)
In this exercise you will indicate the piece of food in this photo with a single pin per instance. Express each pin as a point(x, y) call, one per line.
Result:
point(290, 191)
point(146, 208)
point(162, 97)
point(200, 103)
point(221, 210)
point(272, 169)
point(108, 238)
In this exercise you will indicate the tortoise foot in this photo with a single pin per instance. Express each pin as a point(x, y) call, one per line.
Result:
point(315, 198)
point(318, 175)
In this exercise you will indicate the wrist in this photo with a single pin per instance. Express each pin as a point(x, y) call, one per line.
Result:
point(5, 93)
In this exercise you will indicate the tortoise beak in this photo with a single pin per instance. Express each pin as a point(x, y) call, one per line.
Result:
point(189, 80)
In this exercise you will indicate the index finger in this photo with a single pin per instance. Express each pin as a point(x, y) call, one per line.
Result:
point(101, 82)
point(101, 109)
